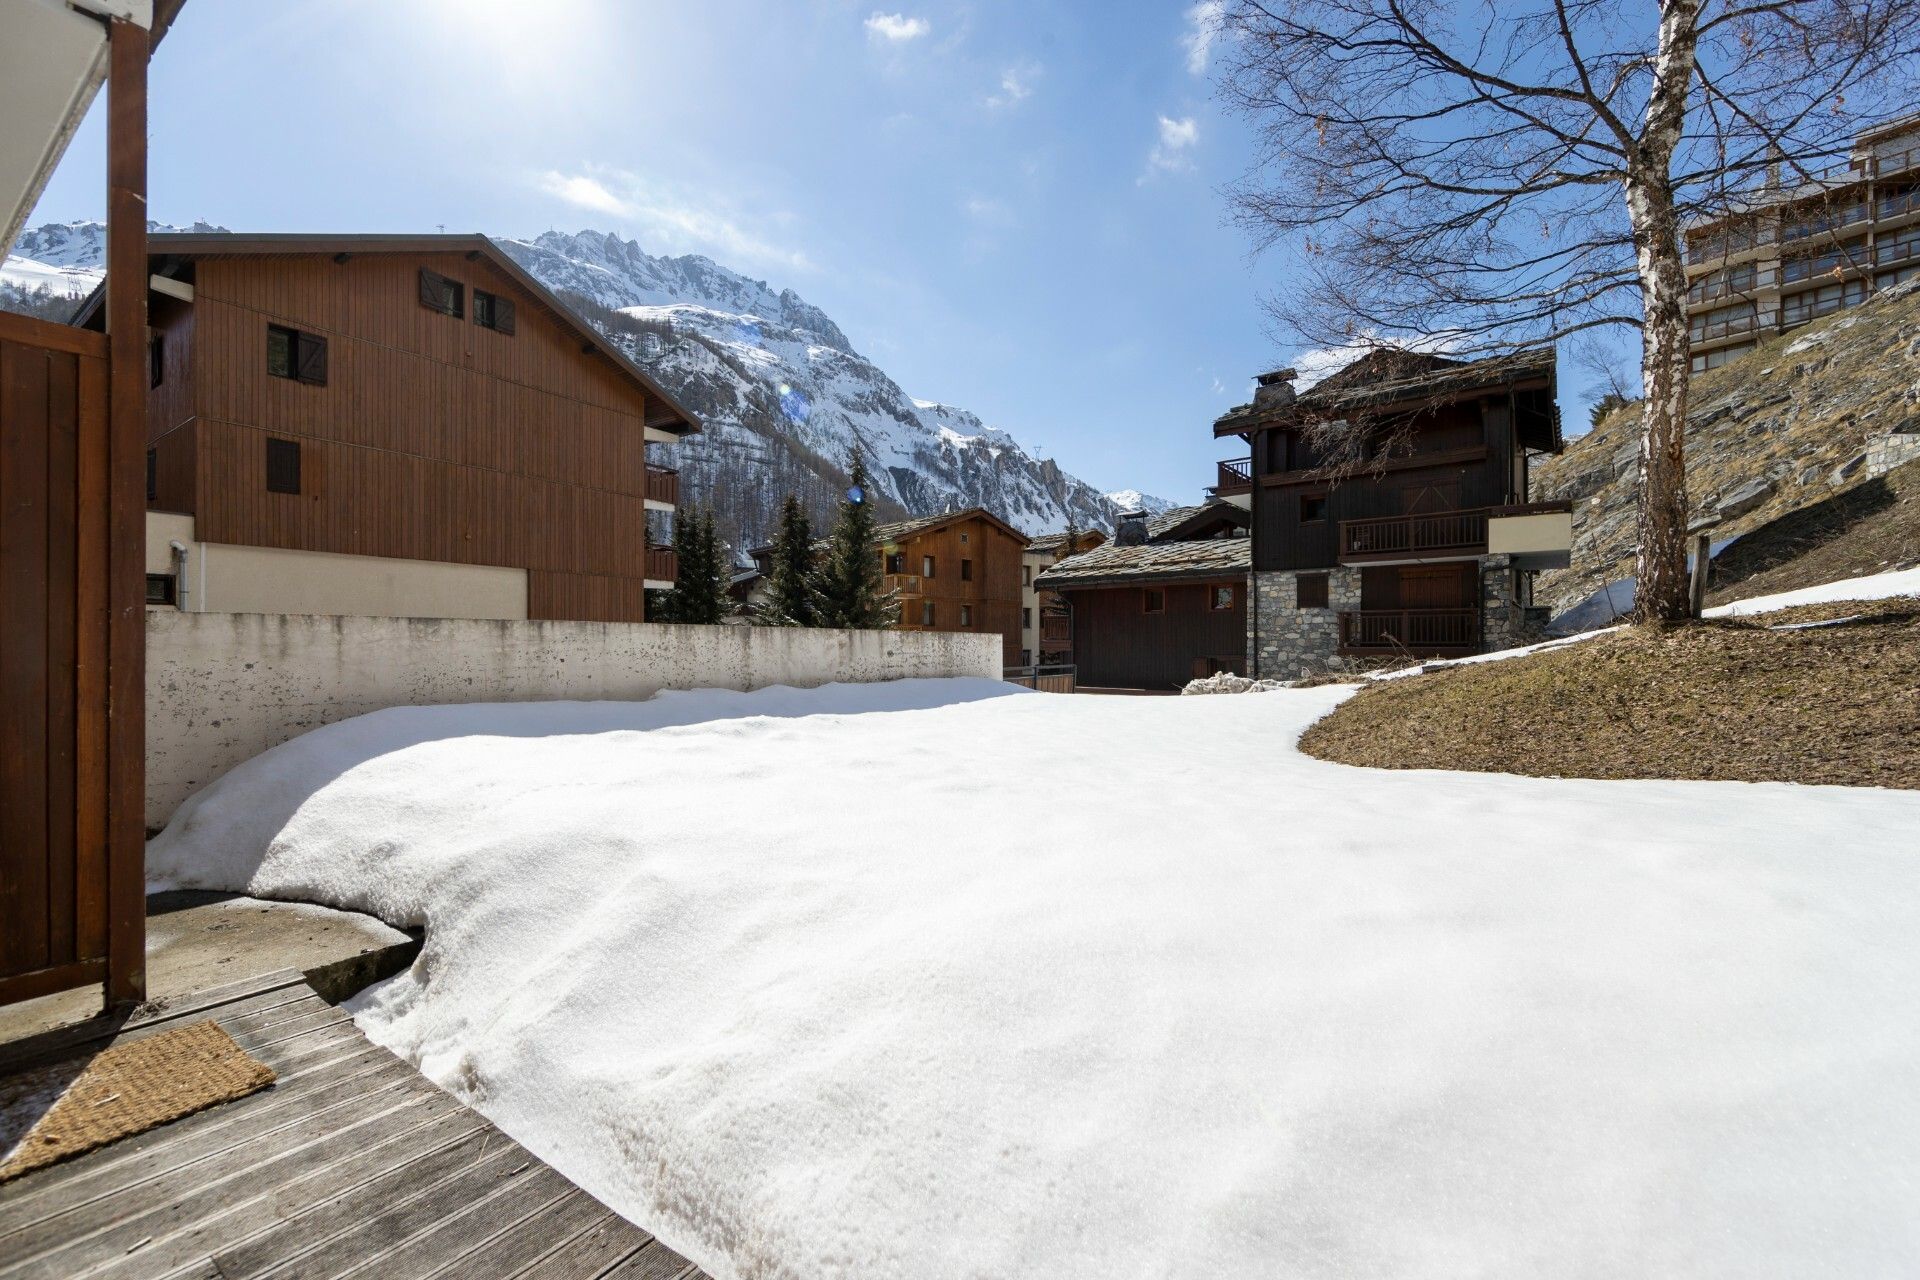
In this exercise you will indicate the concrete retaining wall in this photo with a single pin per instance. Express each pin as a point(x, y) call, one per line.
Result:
point(223, 687)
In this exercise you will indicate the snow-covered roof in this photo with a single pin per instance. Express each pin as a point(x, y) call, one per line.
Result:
point(1389, 376)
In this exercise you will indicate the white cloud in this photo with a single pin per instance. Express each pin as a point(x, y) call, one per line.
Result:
point(985, 209)
point(1016, 85)
point(670, 222)
point(1170, 153)
point(586, 192)
point(1203, 28)
point(896, 28)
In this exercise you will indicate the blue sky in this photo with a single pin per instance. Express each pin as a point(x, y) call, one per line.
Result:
point(1012, 207)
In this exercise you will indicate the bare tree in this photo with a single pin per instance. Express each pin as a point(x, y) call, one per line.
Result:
point(1501, 175)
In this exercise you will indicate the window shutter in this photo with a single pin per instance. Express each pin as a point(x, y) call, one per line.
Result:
point(312, 352)
point(283, 466)
point(433, 290)
point(503, 314)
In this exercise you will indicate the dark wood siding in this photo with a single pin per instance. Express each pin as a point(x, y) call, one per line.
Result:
point(435, 438)
point(1118, 645)
point(1487, 479)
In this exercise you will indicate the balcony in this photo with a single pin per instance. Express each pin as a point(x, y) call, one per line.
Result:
point(906, 584)
point(1236, 476)
point(663, 485)
point(1056, 631)
point(662, 564)
point(1447, 535)
point(1415, 632)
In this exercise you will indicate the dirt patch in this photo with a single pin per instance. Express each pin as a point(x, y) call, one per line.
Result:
point(1727, 699)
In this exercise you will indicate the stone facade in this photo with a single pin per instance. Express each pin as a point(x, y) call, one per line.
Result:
point(1285, 642)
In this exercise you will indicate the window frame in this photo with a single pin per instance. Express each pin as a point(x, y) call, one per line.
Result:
point(966, 615)
point(1213, 597)
point(929, 616)
point(169, 593)
point(451, 294)
point(276, 476)
point(966, 569)
point(1147, 600)
point(499, 311)
point(1322, 588)
point(927, 566)
point(306, 355)
point(1319, 496)
point(894, 562)
point(156, 358)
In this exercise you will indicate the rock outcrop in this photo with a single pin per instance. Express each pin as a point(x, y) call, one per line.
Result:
point(1805, 414)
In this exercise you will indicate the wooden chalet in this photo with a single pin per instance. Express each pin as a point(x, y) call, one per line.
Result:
point(1165, 602)
point(1390, 507)
point(1046, 628)
point(393, 425)
point(958, 571)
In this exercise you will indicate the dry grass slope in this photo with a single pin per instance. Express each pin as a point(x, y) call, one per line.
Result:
point(1869, 528)
point(1729, 699)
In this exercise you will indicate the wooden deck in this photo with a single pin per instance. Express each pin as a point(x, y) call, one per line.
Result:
point(352, 1164)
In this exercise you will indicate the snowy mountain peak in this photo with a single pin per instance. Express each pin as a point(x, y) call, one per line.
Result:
point(1134, 500)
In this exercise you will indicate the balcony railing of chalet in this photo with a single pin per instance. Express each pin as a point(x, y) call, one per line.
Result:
point(1713, 288)
point(1045, 679)
point(663, 484)
point(1236, 474)
point(1056, 631)
point(907, 584)
point(1409, 630)
point(1900, 249)
point(1447, 531)
point(662, 564)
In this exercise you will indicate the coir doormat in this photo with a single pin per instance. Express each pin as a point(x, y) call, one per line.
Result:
point(127, 1089)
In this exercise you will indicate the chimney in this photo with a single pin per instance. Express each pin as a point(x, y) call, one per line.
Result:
point(1132, 529)
point(1275, 389)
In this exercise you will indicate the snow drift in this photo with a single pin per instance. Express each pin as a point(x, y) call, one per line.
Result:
point(905, 980)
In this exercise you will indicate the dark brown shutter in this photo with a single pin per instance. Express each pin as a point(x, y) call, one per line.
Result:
point(312, 353)
point(283, 466)
point(503, 314)
point(433, 290)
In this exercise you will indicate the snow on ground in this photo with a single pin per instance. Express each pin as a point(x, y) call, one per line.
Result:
point(904, 980)
point(1878, 586)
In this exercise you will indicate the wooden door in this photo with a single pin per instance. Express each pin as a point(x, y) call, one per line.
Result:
point(1437, 586)
point(53, 659)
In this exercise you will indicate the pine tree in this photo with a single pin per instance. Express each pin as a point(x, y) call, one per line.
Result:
point(790, 602)
point(699, 592)
point(846, 584)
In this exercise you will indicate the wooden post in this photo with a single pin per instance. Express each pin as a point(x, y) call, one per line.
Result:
point(126, 514)
point(1697, 586)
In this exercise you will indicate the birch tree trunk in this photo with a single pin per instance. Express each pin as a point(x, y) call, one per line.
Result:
point(1660, 567)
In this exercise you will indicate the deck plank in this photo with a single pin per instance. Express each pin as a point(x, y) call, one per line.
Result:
point(351, 1164)
point(610, 1240)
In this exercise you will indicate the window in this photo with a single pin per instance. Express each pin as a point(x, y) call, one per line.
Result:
point(926, 566)
point(1798, 308)
point(1310, 591)
point(1026, 619)
point(966, 571)
point(438, 293)
point(1220, 597)
point(896, 562)
point(162, 588)
point(966, 615)
point(926, 613)
point(963, 538)
point(1714, 359)
point(283, 466)
point(1026, 575)
point(296, 354)
point(1313, 507)
point(491, 311)
point(153, 474)
point(156, 359)
point(1742, 317)
point(1153, 600)
point(1807, 264)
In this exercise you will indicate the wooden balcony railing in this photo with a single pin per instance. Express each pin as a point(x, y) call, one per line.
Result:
point(1236, 476)
point(663, 484)
point(1056, 631)
point(907, 584)
point(1048, 679)
point(1415, 631)
point(662, 564)
point(1391, 537)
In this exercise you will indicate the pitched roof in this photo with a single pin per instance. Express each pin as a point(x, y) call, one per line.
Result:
point(1153, 562)
point(190, 245)
point(902, 529)
point(1050, 542)
point(1386, 377)
point(1171, 523)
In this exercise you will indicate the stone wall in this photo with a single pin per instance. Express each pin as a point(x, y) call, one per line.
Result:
point(1284, 642)
point(223, 687)
point(1503, 618)
point(1890, 451)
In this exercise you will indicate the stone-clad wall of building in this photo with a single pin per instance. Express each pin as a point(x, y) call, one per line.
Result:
point(1503, 619)
point(1284, 642)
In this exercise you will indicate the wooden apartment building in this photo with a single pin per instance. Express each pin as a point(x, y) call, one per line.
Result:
point(394, 425)
point(1420, 542)
point(1046, 627)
